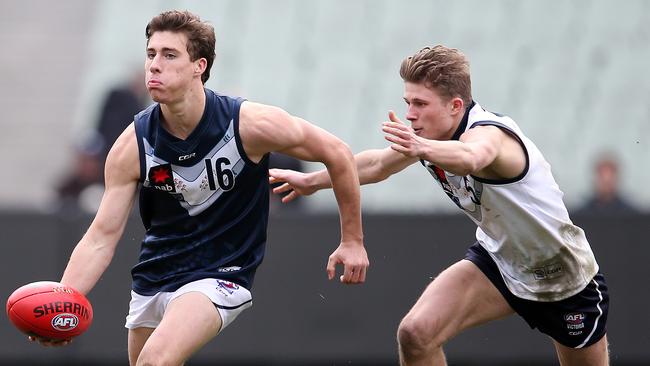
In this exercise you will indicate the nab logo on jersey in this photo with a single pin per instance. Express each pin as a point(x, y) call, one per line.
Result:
point(162, 178)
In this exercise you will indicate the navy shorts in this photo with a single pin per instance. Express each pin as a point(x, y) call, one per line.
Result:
point(578, 321)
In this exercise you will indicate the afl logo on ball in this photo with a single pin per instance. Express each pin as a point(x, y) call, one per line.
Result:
point(65, 322)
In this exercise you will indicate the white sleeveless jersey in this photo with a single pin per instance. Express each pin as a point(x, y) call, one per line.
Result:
point(523, 222)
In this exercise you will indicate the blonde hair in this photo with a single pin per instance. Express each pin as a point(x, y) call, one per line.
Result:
point(443, 69)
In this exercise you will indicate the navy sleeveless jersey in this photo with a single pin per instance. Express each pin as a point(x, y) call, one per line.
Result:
point(203, 203)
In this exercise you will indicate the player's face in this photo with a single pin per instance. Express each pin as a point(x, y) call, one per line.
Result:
point(431, 116)
point(169, 70)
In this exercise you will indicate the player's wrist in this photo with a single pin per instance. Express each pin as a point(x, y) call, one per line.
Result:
point(318, 180)
point(352, 239)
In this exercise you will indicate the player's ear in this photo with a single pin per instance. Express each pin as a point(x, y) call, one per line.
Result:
point(457, 105)
point(200, 65)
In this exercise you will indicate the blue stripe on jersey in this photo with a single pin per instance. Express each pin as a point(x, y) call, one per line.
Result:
point(203, 203)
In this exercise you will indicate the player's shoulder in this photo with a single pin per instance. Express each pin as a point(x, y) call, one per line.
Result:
point(267, 120)
point(481, 117)
point(478, 114)
point(124, 153)
point(145, 114)
point(254, 112)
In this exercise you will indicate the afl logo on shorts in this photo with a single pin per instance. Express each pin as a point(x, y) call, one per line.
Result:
point(65, 322)
point(575, 323)
point(227, 287)
point(574, 318)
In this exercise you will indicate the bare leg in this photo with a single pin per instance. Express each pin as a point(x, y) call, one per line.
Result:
point(190, 321)
point(594, 355)
point(459, 298)
point(137, 338)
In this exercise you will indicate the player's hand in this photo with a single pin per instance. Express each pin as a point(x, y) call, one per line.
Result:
point(50, 342)
point(403, 137)
point(355, 262)
point(295, 183)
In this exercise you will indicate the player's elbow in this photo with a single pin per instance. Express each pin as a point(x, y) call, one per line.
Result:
point(462, 166)
point(338, 151)
point(469, 162)
point(104, 236)
point(468, 166)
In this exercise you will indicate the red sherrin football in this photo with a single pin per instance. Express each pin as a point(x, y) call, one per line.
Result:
point(49, 310)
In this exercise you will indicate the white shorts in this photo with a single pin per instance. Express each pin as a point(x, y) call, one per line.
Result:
point(229, 298)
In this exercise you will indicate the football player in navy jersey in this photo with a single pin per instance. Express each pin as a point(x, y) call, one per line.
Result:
point(529, 258)
point(201, 162)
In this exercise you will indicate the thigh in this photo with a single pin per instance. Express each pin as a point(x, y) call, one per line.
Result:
point(459, 298)
point(190, 321)
point(137, 339)
point(594, 355)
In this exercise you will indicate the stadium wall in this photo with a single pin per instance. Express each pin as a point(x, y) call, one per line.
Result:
point(300, 318)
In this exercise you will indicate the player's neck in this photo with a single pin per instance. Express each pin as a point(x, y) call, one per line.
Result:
point(180, 118)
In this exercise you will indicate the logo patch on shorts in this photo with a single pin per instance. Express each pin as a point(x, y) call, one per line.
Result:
point(227, 287)
point(548, 272)
point(575, 322)
point(229, 269)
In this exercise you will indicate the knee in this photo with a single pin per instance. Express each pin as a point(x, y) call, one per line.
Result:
point(415, 336)
point(148, 358)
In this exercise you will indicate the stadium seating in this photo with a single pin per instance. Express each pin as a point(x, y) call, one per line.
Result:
point(572, 74)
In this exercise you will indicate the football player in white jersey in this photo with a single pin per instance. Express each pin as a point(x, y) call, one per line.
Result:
point(528, 259)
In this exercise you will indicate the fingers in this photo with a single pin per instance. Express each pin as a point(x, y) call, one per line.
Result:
point(353, 275)
point(393, 117)
point(286, 187)
point(276, 173)
point(397, 134)
point(354, 260)
point(348, 274)
point(395, 139)
point(398, 144)
point(361, 274)
point(281, 176)
point(331, 266)
point(401, 149)
point(401, 137)
point(283, 188)
point(50, 342)
point(290, 197)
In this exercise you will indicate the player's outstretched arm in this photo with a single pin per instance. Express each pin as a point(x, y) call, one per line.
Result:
point(485, 151)
point(95, 250)
point(373, 166)
point(265, 129)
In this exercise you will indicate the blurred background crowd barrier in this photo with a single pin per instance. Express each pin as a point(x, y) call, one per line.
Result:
point(299, 318)
point(572, 73)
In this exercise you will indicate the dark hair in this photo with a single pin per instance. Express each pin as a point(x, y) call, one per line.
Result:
point(200, 35)
point(443, 69)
